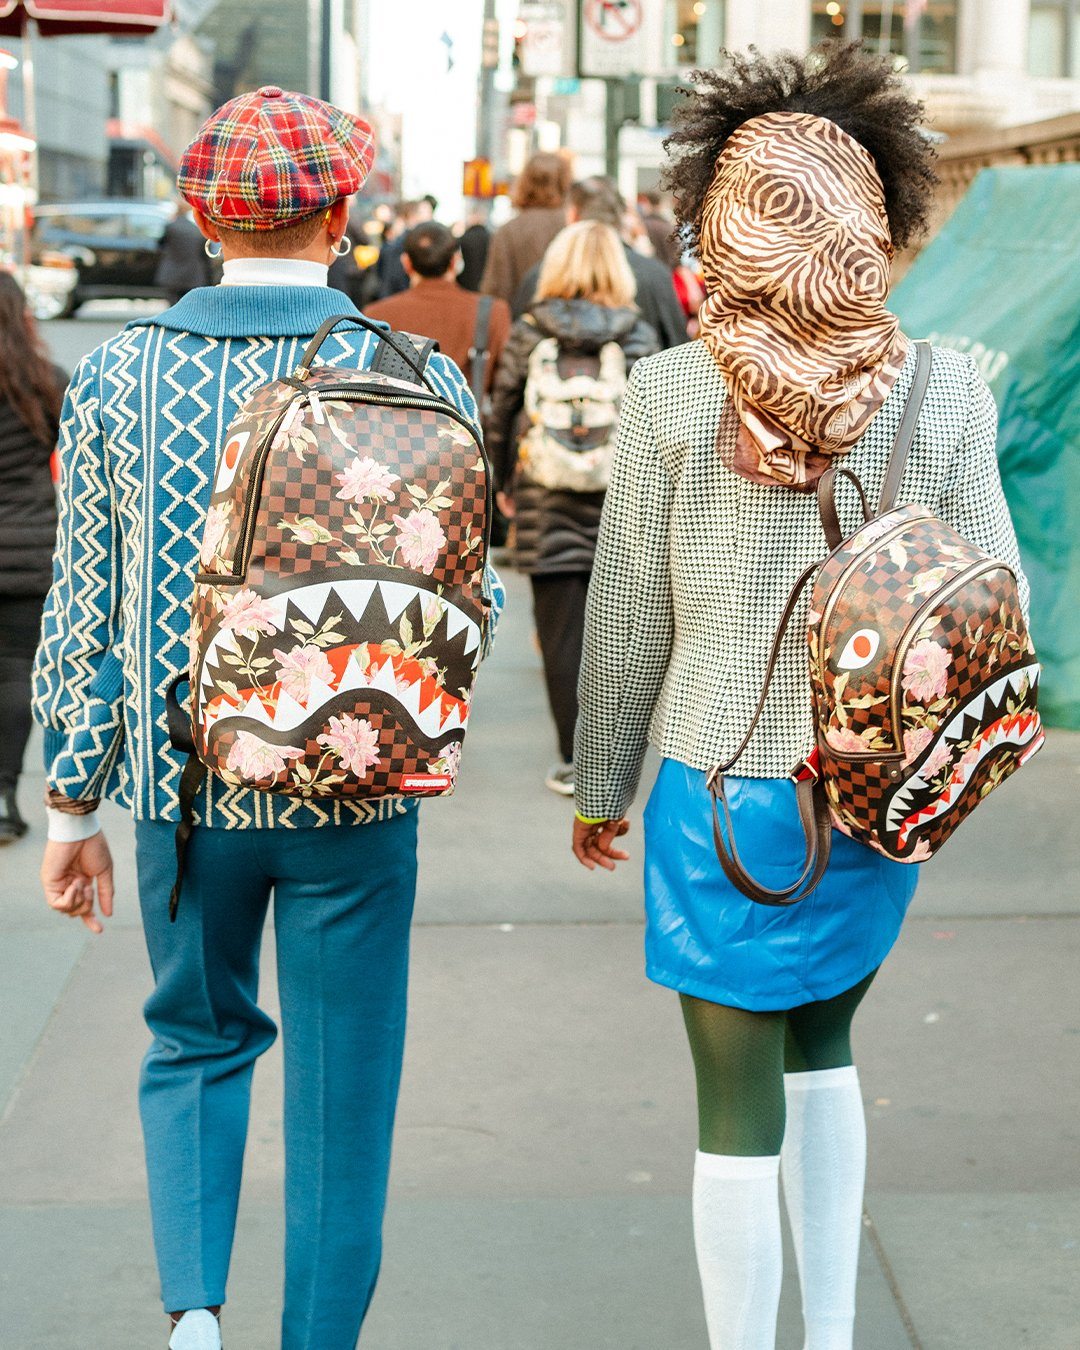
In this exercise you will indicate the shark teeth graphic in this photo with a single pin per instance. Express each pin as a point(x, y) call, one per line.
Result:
point(354, 593)
point(433, 716)
point(1017, 730)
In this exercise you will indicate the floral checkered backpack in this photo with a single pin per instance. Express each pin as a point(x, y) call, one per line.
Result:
point(923, 681)
point(338, 617)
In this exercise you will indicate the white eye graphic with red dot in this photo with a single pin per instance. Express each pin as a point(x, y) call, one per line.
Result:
point(859, 650)
point(230, 459)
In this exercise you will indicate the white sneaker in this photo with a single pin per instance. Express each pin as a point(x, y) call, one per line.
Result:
point(196, 1330)
point(560, 779)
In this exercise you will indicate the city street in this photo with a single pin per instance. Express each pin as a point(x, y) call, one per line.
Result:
point(540, 1193)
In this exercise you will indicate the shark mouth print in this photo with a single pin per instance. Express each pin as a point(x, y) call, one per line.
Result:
point(372, 657)
point(957, 753)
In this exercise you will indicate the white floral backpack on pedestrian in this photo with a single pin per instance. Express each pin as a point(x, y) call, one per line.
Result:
point(572, 400)
point(339, 617)
point(923, 681)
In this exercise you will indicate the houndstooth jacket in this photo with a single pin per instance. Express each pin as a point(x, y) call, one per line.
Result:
point(695, 563)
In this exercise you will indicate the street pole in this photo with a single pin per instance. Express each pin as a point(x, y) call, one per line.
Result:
point(326, 50)
point(489, 60)
point(613, 122)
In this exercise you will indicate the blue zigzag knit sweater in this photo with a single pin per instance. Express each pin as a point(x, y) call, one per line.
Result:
point(141, 426)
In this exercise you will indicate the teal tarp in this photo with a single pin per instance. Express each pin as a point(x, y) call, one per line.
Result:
point(1002, 281)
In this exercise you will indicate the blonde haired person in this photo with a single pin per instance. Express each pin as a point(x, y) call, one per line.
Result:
point(584, 327)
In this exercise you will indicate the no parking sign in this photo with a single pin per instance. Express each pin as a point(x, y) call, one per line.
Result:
point(615, 38)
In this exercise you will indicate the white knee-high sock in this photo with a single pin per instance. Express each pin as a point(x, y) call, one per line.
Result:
point(740, 1260)
point(824, 1172)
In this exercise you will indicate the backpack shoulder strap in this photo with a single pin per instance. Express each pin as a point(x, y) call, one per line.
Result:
point(478, 352)
point(390, 360)
point(905, 433)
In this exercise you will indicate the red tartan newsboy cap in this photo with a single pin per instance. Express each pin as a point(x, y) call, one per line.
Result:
point(268, 159)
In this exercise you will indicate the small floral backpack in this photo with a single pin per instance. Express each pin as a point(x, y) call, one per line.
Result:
point(923, 681)
point(339, 614)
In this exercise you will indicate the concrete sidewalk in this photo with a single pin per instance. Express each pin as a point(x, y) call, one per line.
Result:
point(540, 1191)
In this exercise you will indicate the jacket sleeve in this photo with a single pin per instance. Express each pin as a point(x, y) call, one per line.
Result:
point(507, 400)
point(973, 501)
point(640, 341)
point(78, 674)
point(629, 618)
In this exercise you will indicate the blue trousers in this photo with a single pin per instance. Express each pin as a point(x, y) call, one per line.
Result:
point(343, 900)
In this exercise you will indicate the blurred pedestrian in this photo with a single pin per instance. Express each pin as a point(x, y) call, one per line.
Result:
point(469, 328)
point(475, 243)
point(565, 364)
point(660, 228)
point(31, 391)
point(795, 177)
point(598, 198)
point(539, 197)
point(270, 176)
point(182, 264)
point(391, 275)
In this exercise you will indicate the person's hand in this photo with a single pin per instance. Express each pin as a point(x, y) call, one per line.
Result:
point(505, 503)
point(594, 844)
point(68, 876)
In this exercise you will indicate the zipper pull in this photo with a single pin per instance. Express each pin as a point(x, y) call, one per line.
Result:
point(287, 422)
point(317, 414)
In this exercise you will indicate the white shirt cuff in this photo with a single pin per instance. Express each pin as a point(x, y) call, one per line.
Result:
point(65, 828)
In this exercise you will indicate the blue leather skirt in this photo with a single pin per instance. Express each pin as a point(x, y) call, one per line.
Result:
point(703, 937)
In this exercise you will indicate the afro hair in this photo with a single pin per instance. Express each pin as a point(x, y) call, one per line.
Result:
point(859, 91)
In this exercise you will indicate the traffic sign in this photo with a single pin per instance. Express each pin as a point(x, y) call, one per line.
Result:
point(619, 38)
point(477, 179)
point(547, 44)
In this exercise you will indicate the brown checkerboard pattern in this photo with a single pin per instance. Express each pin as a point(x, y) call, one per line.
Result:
point(879, 594)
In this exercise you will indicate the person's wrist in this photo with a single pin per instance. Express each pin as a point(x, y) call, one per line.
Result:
point(64, 827)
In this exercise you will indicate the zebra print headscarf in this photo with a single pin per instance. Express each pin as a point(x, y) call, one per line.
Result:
point(795, 250)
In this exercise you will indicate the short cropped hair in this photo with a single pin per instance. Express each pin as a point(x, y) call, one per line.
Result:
point(430, 248)
point(283, 242)
point(597, 198)
point(858, 90)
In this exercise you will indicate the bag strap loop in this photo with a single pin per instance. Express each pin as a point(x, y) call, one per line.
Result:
point(817, 829)
point(358, 320)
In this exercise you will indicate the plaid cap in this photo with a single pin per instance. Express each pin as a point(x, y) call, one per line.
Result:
point(268, 159)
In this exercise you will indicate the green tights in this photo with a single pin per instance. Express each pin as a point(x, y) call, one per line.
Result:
point(740, 1059)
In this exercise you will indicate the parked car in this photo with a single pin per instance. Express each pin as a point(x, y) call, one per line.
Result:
point(112, 246)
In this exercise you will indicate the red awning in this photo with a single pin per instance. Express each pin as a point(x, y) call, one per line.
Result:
point(56, 18)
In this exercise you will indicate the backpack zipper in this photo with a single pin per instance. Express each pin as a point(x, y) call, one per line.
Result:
point(849, 571)
point(969, 573)
point(344, 394)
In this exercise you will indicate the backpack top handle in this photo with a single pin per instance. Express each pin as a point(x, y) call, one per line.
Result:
point(303, 370)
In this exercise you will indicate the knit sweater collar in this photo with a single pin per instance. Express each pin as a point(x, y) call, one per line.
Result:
point(253, 311)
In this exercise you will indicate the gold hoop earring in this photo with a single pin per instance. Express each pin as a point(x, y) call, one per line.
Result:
point(340, 252)
point(208, 248)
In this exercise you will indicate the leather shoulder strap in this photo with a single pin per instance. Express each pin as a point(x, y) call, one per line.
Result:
point(905, 432)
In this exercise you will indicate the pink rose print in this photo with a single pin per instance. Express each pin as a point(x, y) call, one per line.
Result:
point(926, 671)
point(420, 537)
point(916, 739)
point(936, 760)
point(255, 760)
point(247, 615)
point(217, 525)
point(299, 668)
point(845, 740)
point(355, 742)
point(366, 479)
point(920, 853)
point(926, 583)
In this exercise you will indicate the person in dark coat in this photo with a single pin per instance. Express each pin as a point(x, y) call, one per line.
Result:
point(182, 263)
point(585, 300)
point(475, 243)
point(391, 274)
point(660, 228)
point(598, 199)
point(31, 391)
